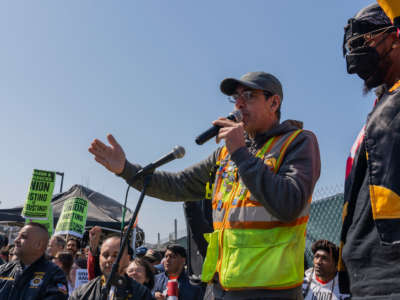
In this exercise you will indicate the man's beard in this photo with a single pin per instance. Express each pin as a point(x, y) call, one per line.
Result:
point(378, 78)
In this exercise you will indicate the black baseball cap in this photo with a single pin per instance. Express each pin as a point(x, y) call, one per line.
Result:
point(254, 80)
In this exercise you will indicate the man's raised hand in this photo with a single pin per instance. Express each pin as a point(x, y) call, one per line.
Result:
point(112, 157)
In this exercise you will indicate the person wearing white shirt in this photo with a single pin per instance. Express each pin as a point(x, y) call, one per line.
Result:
point(321, 281)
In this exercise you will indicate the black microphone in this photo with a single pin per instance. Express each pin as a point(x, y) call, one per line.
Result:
point(236, 116)
point(177, 152)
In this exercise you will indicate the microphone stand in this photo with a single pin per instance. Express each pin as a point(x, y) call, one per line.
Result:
point(106, 289)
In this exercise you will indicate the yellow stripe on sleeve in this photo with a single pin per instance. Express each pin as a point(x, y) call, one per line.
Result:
point(390, 7)
point(385, 203)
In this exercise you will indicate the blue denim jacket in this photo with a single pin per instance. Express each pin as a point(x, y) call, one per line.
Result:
point(187, 291)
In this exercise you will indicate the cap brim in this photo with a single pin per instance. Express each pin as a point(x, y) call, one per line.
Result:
point(228, 85)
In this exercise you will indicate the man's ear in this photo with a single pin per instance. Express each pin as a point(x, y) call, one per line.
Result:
point(396, 44)
point(275, 102)
point(395, 39)
point(183, 260)
point(40, 244)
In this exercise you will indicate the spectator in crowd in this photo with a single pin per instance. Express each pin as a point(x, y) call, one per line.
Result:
point(370, 238)
point(56, 244)
point(174, 264)
point(73, 245)
point(81, 253)
point(129, 289)
point(64, 260)
point(79, 263)
point(32, 276)
point(93, 266)
point(93, 255)
point(265, 177)
point(142, 271)
point(321, 281)
point(153, 257)
point(11, 255)
point(85, 252)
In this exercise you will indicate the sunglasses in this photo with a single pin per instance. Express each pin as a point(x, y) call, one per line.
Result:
point(366, 39)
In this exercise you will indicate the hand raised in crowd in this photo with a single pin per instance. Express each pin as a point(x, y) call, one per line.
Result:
point(112, 157)
point(94, 238)
point(231, 132)
point(159, 296)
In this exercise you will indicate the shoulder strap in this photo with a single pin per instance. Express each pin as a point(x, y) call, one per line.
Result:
point(288, 141)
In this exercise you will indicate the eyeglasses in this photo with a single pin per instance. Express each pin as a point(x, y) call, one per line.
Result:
point(247, 96)
point(366, 39)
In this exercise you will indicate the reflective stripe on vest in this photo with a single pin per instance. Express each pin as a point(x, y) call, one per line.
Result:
point(250, 248)
point(218, 201)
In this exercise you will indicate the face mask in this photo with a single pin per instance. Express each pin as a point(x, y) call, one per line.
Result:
point(363, 61)
point(367, 64)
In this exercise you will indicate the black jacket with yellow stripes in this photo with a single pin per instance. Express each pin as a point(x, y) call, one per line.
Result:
point(371, 216)
point(42, 280)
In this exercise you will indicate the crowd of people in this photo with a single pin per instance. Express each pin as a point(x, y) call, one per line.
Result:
point(49, 265)
point(29, 269)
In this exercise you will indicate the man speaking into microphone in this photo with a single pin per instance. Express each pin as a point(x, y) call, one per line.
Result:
point(264, 178)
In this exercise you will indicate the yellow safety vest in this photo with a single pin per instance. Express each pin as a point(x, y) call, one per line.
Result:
point(250, 248)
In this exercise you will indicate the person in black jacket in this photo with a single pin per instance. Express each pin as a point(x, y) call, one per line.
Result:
point(174, 264)
point(370, 238)
point(128, 290)
point(32, 277)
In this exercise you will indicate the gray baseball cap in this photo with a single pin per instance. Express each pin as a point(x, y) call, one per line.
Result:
point(254, 80)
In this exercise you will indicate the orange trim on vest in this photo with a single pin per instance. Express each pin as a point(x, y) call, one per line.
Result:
point(274, 140)
point(260, 225)
point(284, 148)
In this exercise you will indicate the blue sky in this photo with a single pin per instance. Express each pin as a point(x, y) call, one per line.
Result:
point(149, 73)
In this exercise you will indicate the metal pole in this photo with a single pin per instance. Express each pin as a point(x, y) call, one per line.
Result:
point(176, 229)
point(62, 180)
point(114, 276)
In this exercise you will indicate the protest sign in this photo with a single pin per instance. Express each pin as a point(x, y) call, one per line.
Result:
point(39, 196)
point(48, 223)
point(73, 217)
point(81, 277)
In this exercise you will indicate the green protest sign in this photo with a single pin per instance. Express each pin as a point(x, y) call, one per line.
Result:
point(49, 223)
point(73, 217)
point(39, 196)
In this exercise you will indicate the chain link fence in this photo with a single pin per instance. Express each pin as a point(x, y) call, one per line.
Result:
point(325, 219)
